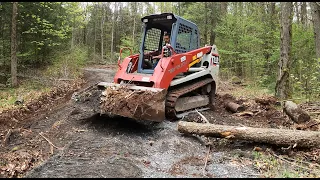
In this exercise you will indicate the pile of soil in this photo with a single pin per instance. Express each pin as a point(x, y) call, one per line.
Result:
point(44, 103)
point(258, 112)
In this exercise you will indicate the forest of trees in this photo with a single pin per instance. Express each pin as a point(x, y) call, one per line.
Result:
point(274, 45)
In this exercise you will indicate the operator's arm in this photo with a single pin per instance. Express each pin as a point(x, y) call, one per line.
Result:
point(151, 53)
point(156, 57)
point(146, 54)
point(159, 56)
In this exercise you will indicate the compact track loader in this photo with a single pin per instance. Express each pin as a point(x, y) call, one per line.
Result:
point(183, 79)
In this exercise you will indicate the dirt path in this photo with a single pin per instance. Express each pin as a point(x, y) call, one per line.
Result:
point(102, 146)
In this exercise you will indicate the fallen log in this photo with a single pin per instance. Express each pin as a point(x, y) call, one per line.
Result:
point(234, 107)
point(282, 137)
point(295, 113)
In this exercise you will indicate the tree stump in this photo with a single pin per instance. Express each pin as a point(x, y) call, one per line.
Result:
point(295, 113)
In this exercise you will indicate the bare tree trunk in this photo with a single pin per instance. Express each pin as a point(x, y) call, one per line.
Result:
point(72, 32)
point(102, 31)
point(2, 33)
point(303, 16)
point(270, 17)
point(205, 35)
point(85, 27)
point(224, 8)
point(95, 38)
point(119, 25)
point(94, 32)
point(240, 65)
point(296, 4)
point(282, 85)
point(134, 22)
point(133, 30)
point(112, 29)
point(262, 6)
point(162, 7)
point(315, 7)
point(273, 13)
point(213, 22)
point(14, 45)
point(140, 8)
point(267, 40)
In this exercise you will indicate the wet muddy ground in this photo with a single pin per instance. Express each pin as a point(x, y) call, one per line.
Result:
point(103, 146)
point(73, 140)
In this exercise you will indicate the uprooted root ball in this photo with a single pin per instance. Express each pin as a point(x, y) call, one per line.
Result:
point(124, 101)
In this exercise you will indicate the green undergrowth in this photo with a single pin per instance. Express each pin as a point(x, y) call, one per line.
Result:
point(280, 166)
point(65, 65)
point(253, 90)
point(250, 90)
point(27, 90)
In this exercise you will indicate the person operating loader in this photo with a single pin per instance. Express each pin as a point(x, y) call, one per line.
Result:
point(166, 39)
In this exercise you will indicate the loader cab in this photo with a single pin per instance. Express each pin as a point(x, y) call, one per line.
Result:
point(184, 37)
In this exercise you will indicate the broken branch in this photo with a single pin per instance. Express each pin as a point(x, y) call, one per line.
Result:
point(59, 148)
point(129, 95)
point(202, 116)
point(206, 161)
point(6, 138)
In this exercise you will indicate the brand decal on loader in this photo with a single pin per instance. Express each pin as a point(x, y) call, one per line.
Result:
point(183, 58)
point(177, 67)
point(215, 59)
point(145, 79)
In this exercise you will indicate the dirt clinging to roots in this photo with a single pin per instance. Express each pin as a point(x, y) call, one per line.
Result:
point(127, 102)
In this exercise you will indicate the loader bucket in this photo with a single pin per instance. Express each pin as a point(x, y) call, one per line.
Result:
point(136, 102)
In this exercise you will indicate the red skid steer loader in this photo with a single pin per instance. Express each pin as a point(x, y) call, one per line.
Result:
point(183, 78)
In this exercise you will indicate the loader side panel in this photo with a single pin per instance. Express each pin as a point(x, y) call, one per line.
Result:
point(168, 68)
point(164, 72)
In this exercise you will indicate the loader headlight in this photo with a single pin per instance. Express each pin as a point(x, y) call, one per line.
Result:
point(145, 20)
point(169, 17)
